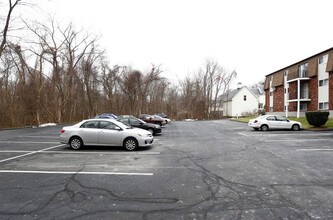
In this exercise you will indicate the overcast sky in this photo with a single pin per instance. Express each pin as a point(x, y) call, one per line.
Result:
point(253, 37)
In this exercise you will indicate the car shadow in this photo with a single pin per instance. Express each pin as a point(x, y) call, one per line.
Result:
point(107, 148)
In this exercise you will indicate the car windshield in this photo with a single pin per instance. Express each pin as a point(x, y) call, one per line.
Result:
point(141, 121)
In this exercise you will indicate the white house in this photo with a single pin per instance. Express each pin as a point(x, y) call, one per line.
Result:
point(243, 101)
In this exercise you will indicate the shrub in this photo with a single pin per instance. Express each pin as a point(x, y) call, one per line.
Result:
point(317, 119)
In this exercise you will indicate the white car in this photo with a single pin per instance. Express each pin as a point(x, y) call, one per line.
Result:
point(105, 132)
point(266, 122)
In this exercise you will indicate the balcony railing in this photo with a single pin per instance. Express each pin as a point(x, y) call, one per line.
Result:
point(298, 74)
point(303, 95)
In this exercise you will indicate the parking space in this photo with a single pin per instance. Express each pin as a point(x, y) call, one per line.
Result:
point(201, 169)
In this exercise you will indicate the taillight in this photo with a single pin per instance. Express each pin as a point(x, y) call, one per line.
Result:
point(62, 131)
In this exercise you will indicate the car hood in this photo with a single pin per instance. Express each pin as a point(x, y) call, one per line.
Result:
point(138, 131)
point(153, 125)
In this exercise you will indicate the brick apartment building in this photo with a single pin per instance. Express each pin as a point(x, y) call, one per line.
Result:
point(303, 86)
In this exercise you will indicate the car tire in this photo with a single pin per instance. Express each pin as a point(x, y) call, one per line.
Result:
point(295, 127)
point(264, 127)
point(76, 143)
point(151, 131)
point(130, 144)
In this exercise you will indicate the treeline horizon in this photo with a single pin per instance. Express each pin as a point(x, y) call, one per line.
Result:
point(55, 73)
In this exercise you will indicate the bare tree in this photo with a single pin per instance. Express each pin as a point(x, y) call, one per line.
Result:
point(215, 82)
point(4, 31)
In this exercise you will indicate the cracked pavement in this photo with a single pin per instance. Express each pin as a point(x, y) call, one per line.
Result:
point(199, 170)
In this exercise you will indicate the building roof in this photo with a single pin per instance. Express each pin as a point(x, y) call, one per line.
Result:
point(325, 51)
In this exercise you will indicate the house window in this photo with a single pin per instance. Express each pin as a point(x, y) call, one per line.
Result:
point(323, 106)
point(244, 97)
point(323, 82)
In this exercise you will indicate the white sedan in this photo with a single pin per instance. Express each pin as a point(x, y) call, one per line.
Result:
point(105, 132)
point(266, 122)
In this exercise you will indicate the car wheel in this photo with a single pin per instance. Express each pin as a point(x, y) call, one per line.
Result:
point(76, 143)
point(264, 127)
point(130, 144)
point(295, 127)
point(151, 130)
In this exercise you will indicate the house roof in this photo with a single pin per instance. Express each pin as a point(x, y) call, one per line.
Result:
point(257, 91)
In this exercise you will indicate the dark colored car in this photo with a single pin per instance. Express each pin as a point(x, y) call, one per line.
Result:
point(150, 119)
point(138, 123)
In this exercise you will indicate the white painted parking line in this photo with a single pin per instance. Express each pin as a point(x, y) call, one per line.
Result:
point(33, 152)
point(244, 134)
point(298, 140)
point(28, 142)
point(82, 152)
point(315, 149)
point(73, 172)
point(55, 137)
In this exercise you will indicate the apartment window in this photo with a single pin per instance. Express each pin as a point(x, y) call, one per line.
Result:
point(323, 59)
point(302, 69)
point(303, 107)
point(323, 106)
point(323, 82)
point(244, 98)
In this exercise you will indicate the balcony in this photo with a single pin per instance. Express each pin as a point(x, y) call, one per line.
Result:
point(298, 75)
point(304, 96)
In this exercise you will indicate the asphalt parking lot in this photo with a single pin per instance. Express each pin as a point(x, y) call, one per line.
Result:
point(195, 170)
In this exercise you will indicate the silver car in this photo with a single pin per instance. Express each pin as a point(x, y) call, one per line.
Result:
point(266, 122)
point(105, 132)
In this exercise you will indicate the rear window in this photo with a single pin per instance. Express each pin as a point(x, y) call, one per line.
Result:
point(90, 124)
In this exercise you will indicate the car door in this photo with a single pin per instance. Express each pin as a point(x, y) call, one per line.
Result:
point(272, 123)
point(89, 132)
point(284, 123)
point(110, 134)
